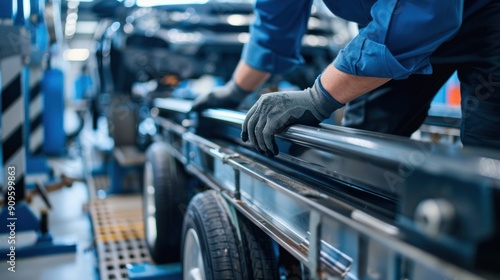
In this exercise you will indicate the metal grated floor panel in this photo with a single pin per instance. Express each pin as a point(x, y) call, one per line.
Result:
point(117, 219)
point(119, 234)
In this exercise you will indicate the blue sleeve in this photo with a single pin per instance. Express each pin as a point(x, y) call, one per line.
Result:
point(401, 37)
point(276, 34)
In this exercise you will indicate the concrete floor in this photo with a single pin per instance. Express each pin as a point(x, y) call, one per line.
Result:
point(69, 221)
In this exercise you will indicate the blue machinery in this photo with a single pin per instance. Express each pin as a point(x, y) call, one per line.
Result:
point(21, 54)
point(154, 272)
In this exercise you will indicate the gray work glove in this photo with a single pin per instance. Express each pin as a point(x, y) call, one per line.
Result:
point(273, 112)
point(228, 96)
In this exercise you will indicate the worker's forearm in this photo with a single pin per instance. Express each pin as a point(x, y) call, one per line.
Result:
point(249, 78)
point(345, 87)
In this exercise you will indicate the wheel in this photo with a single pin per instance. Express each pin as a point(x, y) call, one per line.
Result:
point(165, 197)
point(211, 249)
point(259, 251)
point(265, 260)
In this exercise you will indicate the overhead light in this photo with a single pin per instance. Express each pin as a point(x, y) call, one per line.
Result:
point(71, 27)
point(129, 3)
point(236, 20)
point(313, 23)
point(178, 37)
point(69, 33)
point(243, 37)
point(76, 54)
point(128, 28)
point(115, 26)
point(86, 27)
point(73, 4)
point(152, 3)
point(314, 40)
point(72, 17)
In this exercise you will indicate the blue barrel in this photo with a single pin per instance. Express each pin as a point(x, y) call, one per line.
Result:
point(53, 113)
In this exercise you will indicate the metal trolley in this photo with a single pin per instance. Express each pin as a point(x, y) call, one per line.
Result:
point(344, 203)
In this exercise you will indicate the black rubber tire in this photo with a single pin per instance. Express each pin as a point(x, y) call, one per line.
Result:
point(220, 248)
point(170, 181)
point(259, 251)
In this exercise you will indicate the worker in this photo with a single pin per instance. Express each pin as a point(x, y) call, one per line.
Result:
point(388, 74)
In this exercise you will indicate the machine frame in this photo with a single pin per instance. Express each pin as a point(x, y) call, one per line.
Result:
point(351, 220)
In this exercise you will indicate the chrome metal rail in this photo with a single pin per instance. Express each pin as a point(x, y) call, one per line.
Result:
point(349, 203)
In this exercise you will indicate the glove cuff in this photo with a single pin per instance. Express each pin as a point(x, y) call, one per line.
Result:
point(236, 90)
point(323, 101)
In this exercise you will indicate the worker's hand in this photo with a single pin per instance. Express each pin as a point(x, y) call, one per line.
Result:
point(273, 112)
point(228, 96)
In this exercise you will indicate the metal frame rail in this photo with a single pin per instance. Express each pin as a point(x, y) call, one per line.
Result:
point(348, 203)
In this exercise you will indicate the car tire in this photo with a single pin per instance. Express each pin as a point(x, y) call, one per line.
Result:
point(259, 251)
point(165, 198)
point(210, 246)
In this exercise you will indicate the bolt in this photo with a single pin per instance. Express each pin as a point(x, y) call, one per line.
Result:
point(435, 216)
point(187, 123)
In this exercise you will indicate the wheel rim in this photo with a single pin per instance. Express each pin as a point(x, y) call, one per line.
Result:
point(150, 207)
point(193, 267)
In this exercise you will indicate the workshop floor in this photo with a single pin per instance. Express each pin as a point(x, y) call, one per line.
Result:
point(107, 230)
point(69, 221)
point(117, 219)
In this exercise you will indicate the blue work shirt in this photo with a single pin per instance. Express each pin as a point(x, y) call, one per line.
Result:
point(397, 39)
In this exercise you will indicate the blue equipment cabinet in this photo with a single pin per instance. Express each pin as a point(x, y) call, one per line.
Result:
point(53, 115)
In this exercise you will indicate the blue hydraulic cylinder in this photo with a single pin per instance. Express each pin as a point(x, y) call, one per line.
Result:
point(145, 271)
point(53, 113)
point(33, 77)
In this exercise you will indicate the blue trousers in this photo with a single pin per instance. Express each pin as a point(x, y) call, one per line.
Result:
point(400, 106)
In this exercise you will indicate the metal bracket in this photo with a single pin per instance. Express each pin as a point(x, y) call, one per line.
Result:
point(314, 244)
